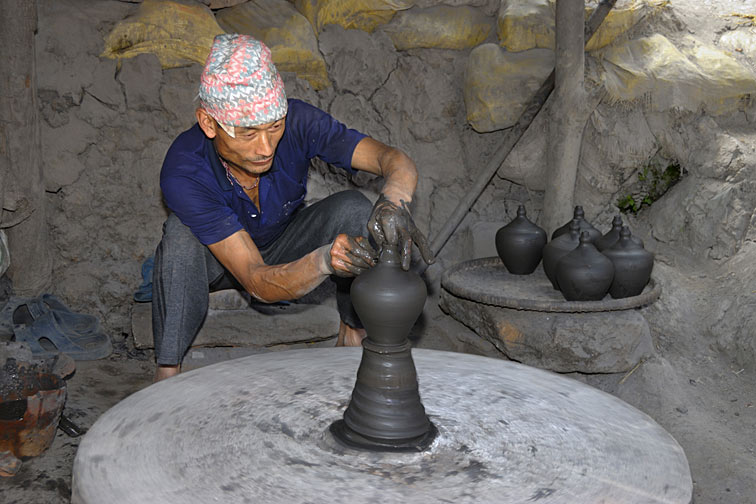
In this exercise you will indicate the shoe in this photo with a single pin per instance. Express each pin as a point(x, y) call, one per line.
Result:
point(49, 327)
point(144, 293)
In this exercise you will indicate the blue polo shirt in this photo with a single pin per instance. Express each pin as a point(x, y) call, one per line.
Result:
point(196, 188)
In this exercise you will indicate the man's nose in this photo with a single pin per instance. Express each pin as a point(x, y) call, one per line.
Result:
point(265, 145)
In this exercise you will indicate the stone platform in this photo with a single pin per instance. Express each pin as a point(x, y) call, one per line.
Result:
point(256, 430)
point(231, 322)
point(531, 322)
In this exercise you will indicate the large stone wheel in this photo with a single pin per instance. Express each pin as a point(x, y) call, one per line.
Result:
point(255, 429)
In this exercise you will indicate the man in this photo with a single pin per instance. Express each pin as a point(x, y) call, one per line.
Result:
point(236, 184)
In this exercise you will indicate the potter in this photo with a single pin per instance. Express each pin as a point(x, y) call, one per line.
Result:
point(236, 183)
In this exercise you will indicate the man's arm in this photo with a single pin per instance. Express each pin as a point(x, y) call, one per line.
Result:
point(396, 168)
point(239, 254)
point(390, 221)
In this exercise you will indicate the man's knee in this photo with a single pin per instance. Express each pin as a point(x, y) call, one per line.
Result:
point(355, 210)
point(177, 237)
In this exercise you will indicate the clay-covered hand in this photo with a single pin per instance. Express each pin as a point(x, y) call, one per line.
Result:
point(351, 255)
point(393, 225)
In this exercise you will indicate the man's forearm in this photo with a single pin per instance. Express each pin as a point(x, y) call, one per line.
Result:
point(288, 281)
point(400, 175)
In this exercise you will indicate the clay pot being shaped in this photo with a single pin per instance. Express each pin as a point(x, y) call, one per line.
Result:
point(388, 299)
point(611, 237)
point(584, 274)
point(632, 266)
point(520, 244)
point(385, 411)
point(578, 214)
point(557, 248)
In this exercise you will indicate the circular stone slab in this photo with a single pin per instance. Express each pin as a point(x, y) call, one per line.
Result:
point(255, 429)
point(488, 281)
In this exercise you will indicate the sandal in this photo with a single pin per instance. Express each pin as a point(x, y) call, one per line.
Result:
point(49, 327)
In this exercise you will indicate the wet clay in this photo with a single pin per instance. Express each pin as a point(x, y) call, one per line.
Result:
point(385, 412)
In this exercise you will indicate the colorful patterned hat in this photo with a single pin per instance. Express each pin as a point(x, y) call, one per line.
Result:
point(240, 86)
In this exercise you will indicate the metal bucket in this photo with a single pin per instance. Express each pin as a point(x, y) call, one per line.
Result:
point(32, 397)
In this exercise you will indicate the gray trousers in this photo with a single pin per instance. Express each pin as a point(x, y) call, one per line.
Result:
point(185, 271)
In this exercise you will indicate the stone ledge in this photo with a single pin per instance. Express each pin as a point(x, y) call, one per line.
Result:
point(600, 342)
point(247, 327)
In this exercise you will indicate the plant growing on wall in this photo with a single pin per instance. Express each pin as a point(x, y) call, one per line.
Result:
point(654, 180)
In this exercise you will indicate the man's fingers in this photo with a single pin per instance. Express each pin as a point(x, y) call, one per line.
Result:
point(360, 262)
point(405, 241)
point(351, 256)
point(361, 250)
point(375, 229)
point(422, 244)
point(344, 269)
point(390, 220)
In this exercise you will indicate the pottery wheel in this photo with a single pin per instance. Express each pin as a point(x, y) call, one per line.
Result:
point(488, 281)
point(255, 429)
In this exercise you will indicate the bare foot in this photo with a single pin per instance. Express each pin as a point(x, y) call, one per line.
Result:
point(350, 336)
point(163, 372)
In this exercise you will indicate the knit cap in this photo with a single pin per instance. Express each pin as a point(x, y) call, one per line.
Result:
point(240, 85)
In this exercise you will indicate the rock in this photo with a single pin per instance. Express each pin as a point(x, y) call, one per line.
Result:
point(617, 144)
point(247, 327)
point(488, 7)
point(178, 32)
point(222, 4)
point(499, 83)
point(526, 24)
point(742, 40)
point(707, 217)
point(654, 70)
point(598, 342)
point(365, 15)
point(441, 26)
point(529, 24)
point(285, 31)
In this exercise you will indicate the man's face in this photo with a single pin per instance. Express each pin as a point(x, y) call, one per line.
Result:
point(253, 148)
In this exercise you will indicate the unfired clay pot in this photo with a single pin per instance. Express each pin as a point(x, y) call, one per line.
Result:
point(385, 412)
point(584, 274)
point(557, 248)
point(632, 266)
point(578, 214)
point(520, 244)
point(611, 237)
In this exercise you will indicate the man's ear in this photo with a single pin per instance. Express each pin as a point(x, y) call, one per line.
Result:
point(206, 122)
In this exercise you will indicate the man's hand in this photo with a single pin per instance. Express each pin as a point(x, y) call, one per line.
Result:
point(350, 256)
point(390, 224)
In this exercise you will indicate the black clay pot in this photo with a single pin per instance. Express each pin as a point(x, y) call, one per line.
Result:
point(632, 266)
point(385, 411)
point(520, 244)
point(578, 214)
point(557, 248)
point(584, 274)
point(611, 237)
point(388, 299)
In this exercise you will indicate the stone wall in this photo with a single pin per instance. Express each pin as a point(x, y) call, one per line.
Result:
point(107, 123)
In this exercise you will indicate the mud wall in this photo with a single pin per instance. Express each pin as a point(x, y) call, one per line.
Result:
point(106, 125)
